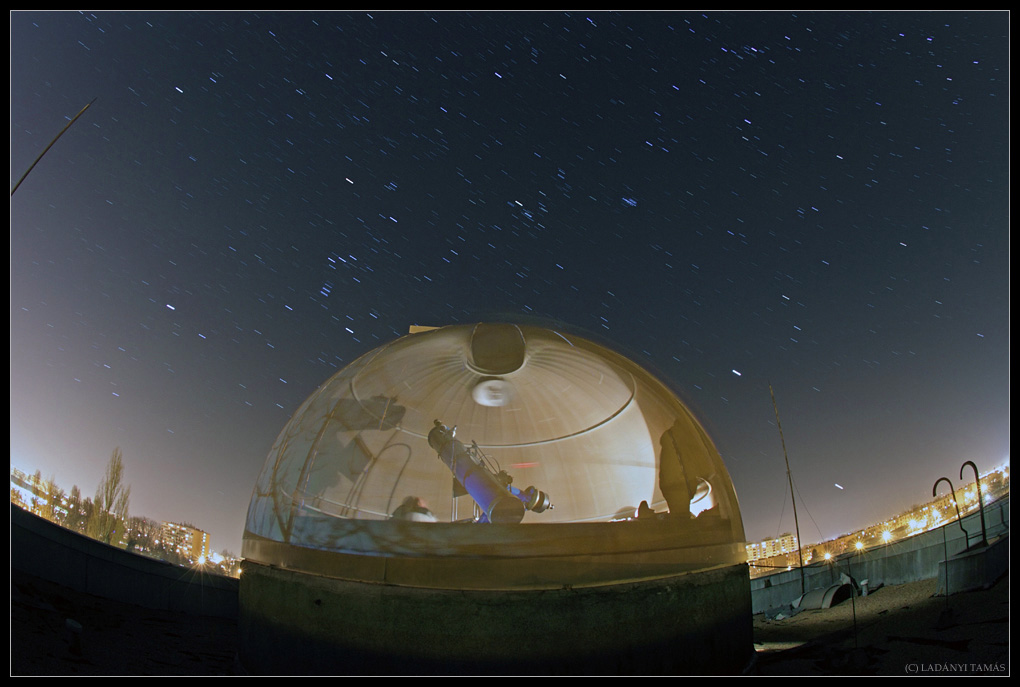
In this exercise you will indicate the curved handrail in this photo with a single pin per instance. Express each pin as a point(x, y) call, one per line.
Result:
point(981, 501)
point(952, 492)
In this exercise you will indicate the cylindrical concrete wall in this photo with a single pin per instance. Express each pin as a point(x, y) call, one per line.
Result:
point(300, 623)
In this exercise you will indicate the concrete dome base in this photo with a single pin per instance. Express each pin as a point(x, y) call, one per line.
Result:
point(305, 624)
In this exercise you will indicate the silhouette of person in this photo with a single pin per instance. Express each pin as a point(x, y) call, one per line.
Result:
point(415, 509)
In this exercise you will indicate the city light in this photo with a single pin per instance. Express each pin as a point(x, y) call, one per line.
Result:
point(176, 543)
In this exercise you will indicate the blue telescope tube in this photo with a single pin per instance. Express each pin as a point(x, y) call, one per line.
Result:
point(496, 502)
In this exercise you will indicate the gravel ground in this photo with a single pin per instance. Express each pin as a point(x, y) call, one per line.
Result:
point(897, 630)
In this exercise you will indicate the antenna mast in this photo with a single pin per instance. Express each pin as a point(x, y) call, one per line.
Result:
point(80, 113)
point(789, 477)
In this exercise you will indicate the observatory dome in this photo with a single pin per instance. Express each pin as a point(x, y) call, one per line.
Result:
point(540, 457)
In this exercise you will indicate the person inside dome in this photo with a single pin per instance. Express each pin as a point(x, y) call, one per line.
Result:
point(415, 509)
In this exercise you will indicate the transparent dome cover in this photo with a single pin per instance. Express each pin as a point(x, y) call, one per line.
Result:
point(471, 440)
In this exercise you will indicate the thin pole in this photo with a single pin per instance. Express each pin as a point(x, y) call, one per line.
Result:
point(945, 557)
point(853, 598)
point(793, 499)
point(50, 146)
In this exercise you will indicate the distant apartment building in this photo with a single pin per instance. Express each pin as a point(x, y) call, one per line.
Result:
point(784, 545)
point(190, 543)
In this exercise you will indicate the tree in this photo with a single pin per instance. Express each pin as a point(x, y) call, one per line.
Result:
point(38, 502)
point(142, 534)
point(87, 509)
point(110, 507)
point(75, 511)
point(54, 508)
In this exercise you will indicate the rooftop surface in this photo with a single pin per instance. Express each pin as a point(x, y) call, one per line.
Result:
point(896, 630)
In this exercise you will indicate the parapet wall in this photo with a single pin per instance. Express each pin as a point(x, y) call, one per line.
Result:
point(907, 560)
point(48, 551)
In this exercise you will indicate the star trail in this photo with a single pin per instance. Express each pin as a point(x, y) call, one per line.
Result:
point(818, 201)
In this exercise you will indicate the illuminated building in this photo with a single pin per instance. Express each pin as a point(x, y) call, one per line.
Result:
point(781, 546)
point(190, 543)
point(579, 518)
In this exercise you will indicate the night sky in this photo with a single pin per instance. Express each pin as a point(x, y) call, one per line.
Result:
point(816, 200)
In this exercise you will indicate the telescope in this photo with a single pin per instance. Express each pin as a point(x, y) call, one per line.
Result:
point(492, 490)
